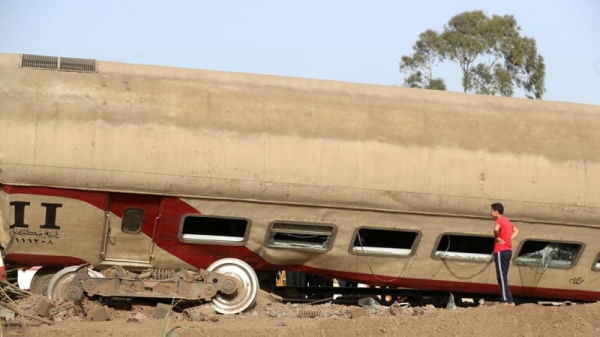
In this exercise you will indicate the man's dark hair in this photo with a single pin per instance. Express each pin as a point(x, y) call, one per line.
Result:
point(498, 207)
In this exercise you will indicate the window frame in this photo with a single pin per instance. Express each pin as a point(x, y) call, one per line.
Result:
point(458, 256)
point(211, 239)
point(596, 263)
point(270, 230)
point(141, 225)
point(382, 252)
point(572, 265)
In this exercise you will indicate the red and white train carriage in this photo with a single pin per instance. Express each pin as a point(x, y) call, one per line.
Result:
point(143, 170)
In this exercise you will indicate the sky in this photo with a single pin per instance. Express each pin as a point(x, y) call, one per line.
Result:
point(342, 40)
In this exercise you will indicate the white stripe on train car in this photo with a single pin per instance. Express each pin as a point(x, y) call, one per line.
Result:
point(2, 269)
point(24, 277)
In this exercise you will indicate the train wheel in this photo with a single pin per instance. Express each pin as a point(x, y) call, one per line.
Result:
point(41, 280)
point(60, 287)
point(247, 286)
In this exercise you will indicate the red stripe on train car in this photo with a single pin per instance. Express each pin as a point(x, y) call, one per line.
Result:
point(94, 198)
point(172, 208)
point(27, 260)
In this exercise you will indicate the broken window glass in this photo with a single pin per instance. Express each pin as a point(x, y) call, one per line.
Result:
point(304, 236)
point(540, 255)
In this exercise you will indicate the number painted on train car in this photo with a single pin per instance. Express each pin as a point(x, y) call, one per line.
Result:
point(23, 232)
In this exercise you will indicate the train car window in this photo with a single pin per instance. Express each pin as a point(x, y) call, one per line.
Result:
point(459, 247)
point(300, 236)
point(596, 266)
point(372, 241)
point(205, 229)
point(133, 218)
point(539, 254)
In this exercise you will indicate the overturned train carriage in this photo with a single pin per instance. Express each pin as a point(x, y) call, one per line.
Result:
point(133, 168)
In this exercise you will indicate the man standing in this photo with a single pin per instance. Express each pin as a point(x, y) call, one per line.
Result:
point(504, 232)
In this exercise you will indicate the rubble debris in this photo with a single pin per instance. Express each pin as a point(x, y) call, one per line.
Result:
point(359, 312)
point(20, 323)
point(370, 303)
point(99, 314)
point(136, 318)
point(162, 310)
point(397, 308)
point(201, 313)
point(451, 305)
point(309, 313)
point(9, 293)
point(26, 314)
point(44, 307)
point(7, 314)
point(62, 312)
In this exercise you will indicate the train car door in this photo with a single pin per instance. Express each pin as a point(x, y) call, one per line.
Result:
point(130, 226)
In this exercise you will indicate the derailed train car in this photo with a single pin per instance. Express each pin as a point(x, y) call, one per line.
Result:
point(143, 171)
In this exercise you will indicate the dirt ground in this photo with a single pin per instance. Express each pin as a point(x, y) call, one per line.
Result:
point(270, 317)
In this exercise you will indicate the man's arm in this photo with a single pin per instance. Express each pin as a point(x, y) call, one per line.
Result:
point(515, 232)
point(497, 233)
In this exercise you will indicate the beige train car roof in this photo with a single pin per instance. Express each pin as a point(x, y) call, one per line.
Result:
point(175, 131)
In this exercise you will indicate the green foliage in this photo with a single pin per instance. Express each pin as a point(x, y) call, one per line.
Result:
point(492, 54)
point(173, 332)
point(420, 64)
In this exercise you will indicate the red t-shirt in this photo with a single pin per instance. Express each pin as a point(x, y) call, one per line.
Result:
point(506, 231)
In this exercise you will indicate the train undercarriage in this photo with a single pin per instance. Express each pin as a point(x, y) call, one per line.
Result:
point(230, 285)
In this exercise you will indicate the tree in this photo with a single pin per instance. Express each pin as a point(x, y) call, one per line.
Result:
point(492, 54)
point(420, 65)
